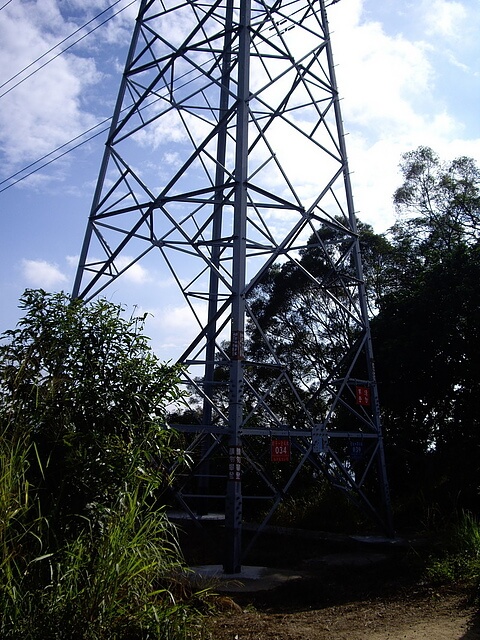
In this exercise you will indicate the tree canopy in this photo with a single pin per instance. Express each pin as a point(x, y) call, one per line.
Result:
point(423, 283)
point(426, 333)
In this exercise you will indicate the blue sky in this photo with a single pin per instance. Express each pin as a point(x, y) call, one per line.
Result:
point(408, 72)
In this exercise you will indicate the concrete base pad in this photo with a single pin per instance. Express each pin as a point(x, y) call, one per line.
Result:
point(247, 580)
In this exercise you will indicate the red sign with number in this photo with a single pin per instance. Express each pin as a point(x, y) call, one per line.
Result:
point(363, 396)
point(280, 450)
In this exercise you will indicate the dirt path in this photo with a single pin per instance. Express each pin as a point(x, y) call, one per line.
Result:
point(441, 617)
point(355, 595)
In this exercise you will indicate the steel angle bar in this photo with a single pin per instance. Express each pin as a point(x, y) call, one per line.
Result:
point(282, 375)
point(276, 201)
point(278, 499)
point(199, 473)
point(211, 220)
point(203, 395)
point(186, 508)
point(201, 335)
point(348, 435)
point(261, 401)
point(194, 250)
point(281, 430)
point(193, 445)
point(260, 471)
point(200, 428)
point(372, 459)
point(325, 385)
point(350, 483)
point(338, 303)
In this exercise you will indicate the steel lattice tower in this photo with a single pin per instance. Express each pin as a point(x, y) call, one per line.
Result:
point(238, 101)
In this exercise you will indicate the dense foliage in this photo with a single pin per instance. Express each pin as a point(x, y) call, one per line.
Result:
point(423, 283)
point(86, 550)
point(427, 335)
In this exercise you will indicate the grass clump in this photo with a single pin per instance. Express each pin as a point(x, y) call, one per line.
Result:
point(121, 577)
point(458, 555)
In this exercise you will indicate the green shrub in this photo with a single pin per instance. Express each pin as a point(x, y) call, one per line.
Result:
point(86, 551)
point(82, 385)
point(458, 555)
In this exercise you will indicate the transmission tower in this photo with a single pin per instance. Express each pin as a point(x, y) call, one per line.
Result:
point(234, 107)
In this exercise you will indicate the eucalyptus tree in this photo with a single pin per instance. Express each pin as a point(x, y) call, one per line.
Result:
point(423, 285)
point(427, 336)
point(438, 203)
point(300, 316)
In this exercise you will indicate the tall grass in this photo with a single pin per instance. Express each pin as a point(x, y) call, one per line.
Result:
point(20, 527)
point(458, 555)
point(121, 577)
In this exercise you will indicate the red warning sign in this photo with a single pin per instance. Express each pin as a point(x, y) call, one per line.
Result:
point(363, 396)
point(280, 450)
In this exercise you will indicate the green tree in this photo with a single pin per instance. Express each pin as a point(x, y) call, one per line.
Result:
point(298, 305)
point(438, 203)
point(84, 384)
point(423, 285)
point(426, 334)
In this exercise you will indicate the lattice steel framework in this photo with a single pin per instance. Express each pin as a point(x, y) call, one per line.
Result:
point(234, 107)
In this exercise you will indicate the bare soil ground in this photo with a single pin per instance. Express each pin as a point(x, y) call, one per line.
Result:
point(443, 616)
point(345, 591)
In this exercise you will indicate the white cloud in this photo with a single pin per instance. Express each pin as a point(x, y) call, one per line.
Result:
point(445, 18)
point(380, 77)
point(172, 158)
point(451, 28)
point(72, 261)
point(180, 320)
point(173, 326)
point(46, 110)
point(390, 103)
point(136, 273)
point(40, 273)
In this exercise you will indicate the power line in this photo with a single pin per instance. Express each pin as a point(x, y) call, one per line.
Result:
point(45, 164)
point(3, 7)
point(80, 136)
point(56, 45)
point(51, 153)
point(184, 77)
point(63, 50)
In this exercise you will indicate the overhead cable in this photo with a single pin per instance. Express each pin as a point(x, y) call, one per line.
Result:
point(45, 164)
point(79, 137)
point(56, 45)
point(63, 50)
